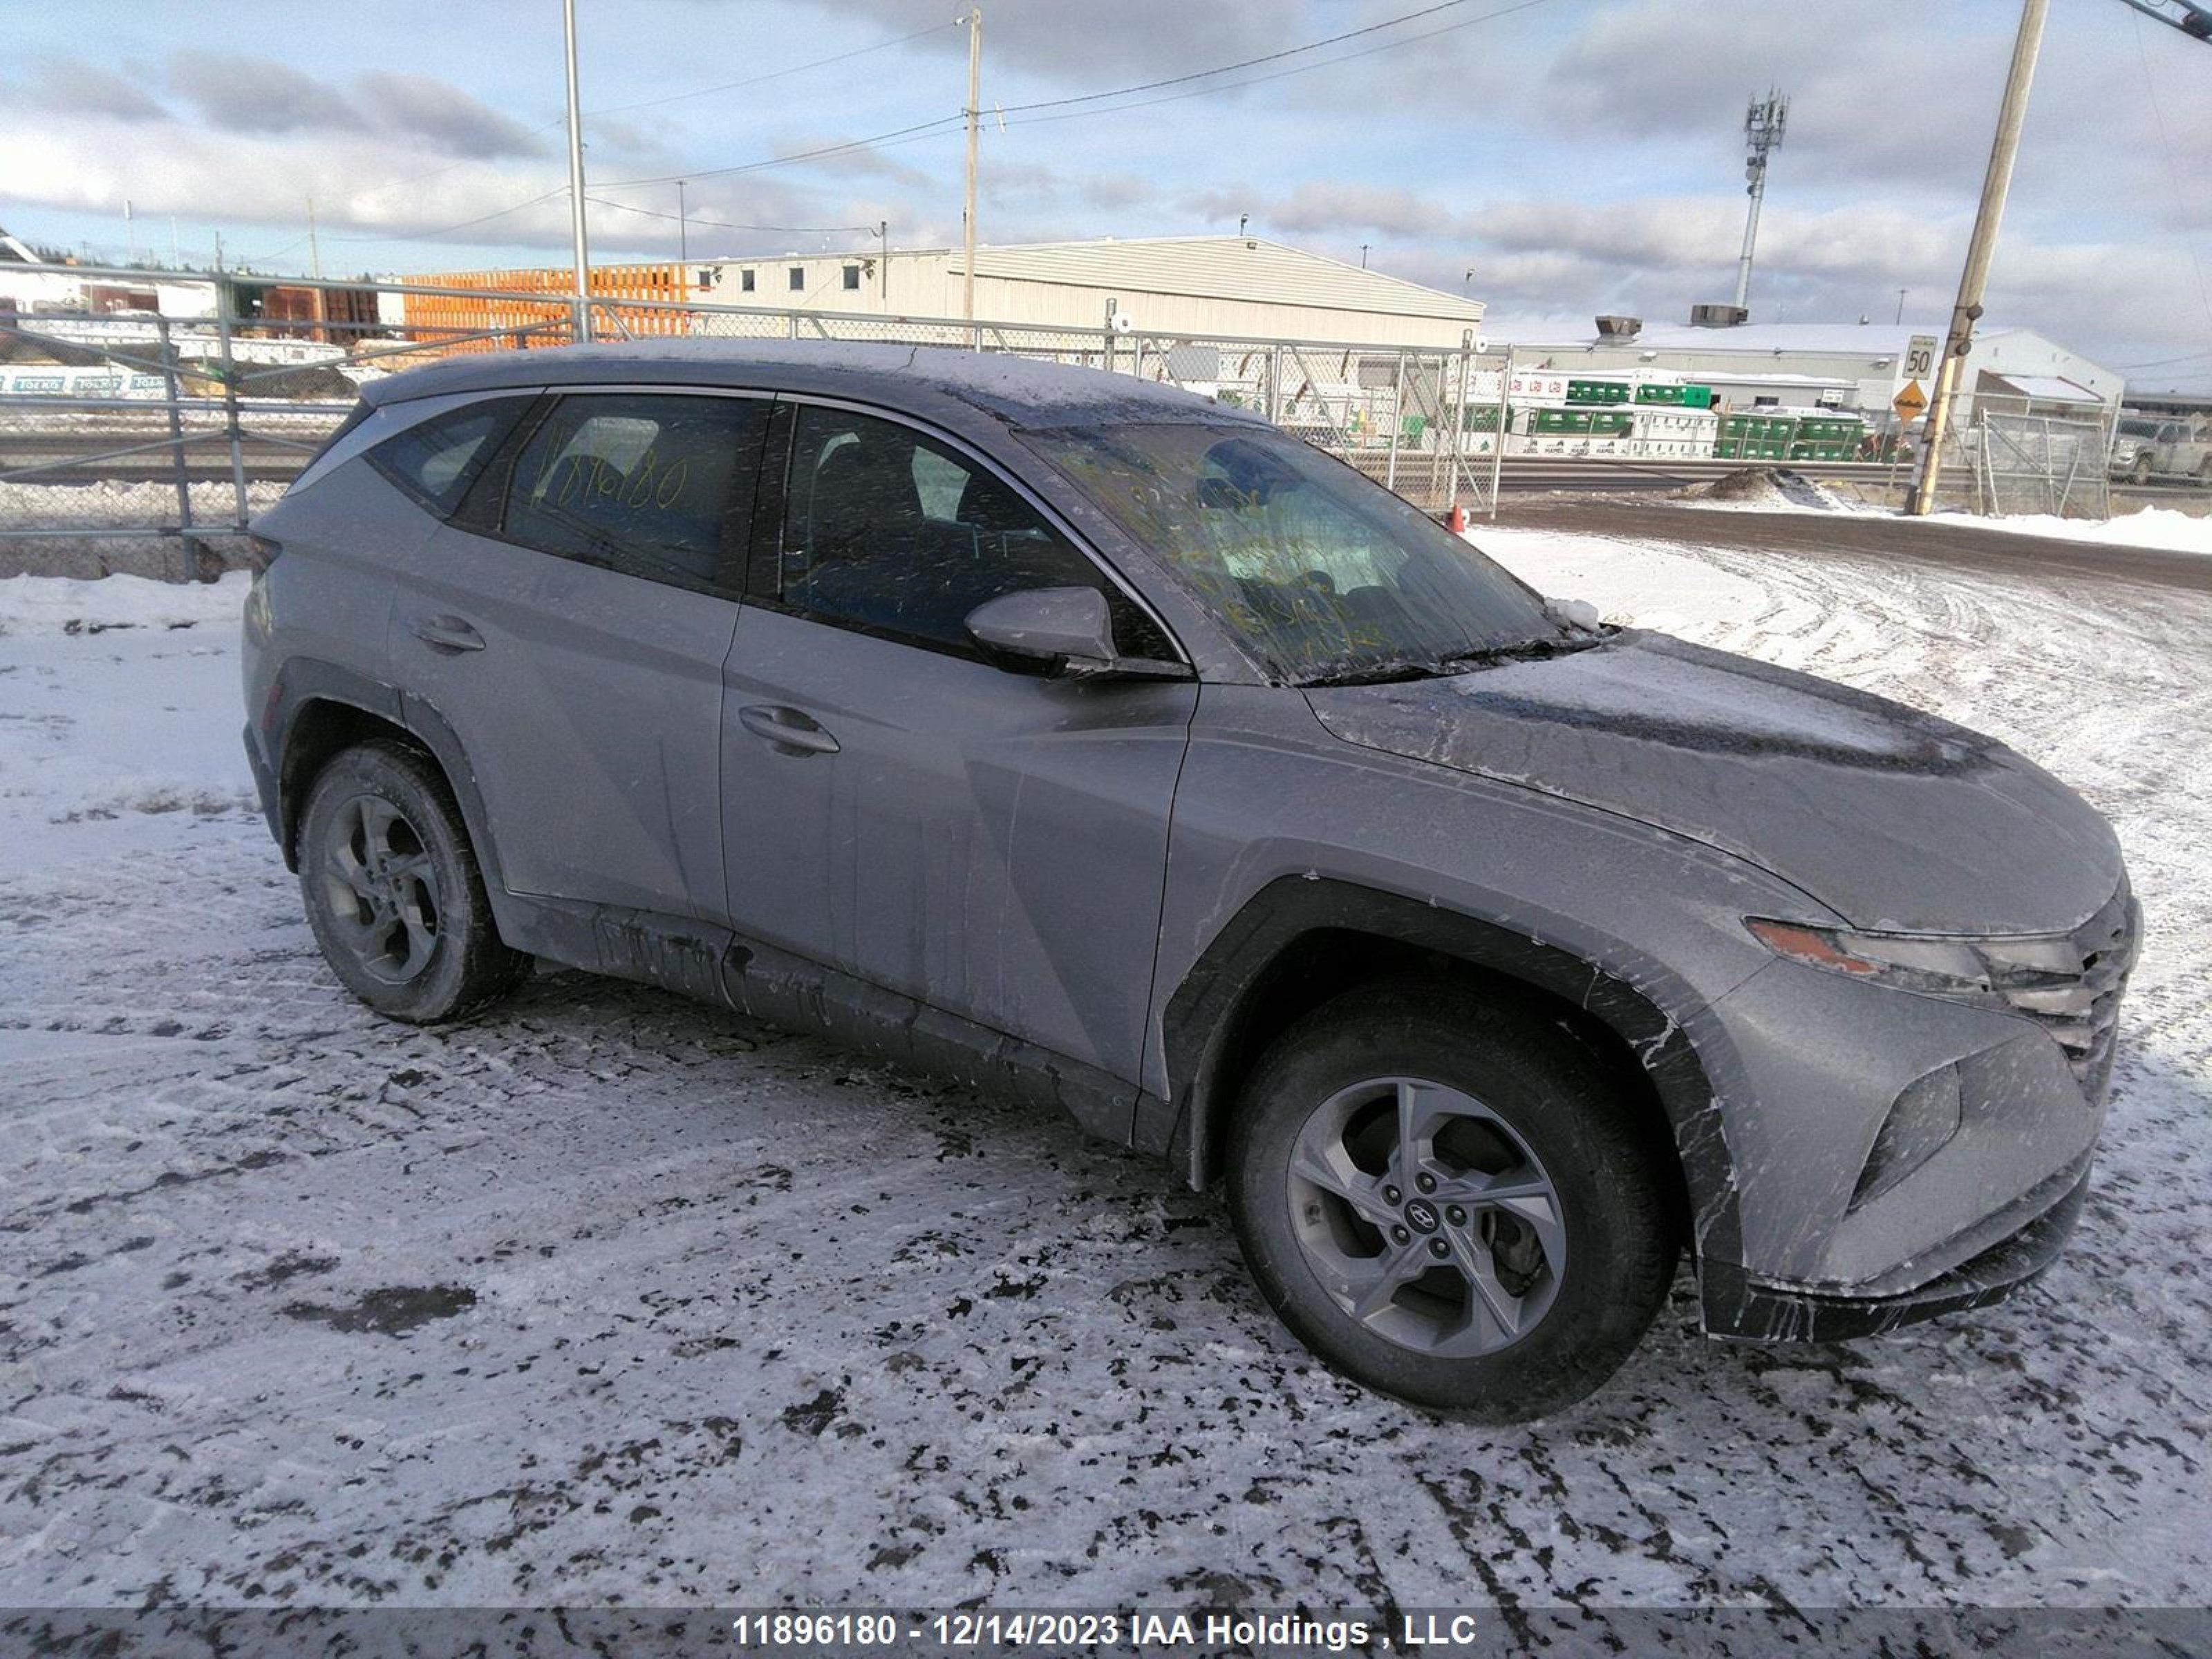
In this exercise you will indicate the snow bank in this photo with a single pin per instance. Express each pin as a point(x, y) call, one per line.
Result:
point(2163, 527)
point(58, 605)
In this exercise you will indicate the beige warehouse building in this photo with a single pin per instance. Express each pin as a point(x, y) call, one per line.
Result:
point(1207, 286)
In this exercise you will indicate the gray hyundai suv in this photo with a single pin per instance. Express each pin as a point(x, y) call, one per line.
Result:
point(1102, 746)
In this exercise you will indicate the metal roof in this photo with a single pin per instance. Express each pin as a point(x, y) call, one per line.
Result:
point(1246, 268)
point(1241, 268)
point(1819, 339)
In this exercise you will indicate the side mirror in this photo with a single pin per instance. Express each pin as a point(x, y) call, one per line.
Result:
point(1068, 630)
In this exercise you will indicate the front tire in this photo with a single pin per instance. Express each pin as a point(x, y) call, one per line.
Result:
point(1448, 1200)
point(392, 889)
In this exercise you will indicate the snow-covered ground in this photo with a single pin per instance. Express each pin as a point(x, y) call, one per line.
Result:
point(608, 1297)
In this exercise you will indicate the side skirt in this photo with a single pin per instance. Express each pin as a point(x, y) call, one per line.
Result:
point(713, 964)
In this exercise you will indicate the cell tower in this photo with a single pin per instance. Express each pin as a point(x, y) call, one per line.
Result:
point(1762, 131)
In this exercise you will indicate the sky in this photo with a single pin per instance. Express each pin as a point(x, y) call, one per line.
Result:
point(1553, 158)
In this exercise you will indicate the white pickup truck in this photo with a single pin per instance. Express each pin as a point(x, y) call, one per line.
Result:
point(2144, 448)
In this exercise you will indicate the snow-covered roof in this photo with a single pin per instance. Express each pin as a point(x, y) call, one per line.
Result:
point(2047, 388)
point(1245, 268)
point(1835, 339)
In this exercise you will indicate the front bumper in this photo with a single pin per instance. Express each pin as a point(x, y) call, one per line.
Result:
point(1737, 1305)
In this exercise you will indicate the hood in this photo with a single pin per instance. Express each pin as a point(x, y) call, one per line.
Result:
point(1891, 817)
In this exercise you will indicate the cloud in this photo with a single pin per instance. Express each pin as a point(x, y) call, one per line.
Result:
point(69, 83)
point(1132, 40)
point(258, 94)
point(440, 115)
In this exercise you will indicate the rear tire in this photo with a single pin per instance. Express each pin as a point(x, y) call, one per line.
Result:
point(392, 889)
point(1529, 1244)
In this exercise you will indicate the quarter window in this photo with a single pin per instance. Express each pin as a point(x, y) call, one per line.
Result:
point(436, 460)
point(656, 485)
point(891, 532)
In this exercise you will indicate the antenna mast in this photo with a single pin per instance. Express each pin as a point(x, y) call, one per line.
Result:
point(1762, 130)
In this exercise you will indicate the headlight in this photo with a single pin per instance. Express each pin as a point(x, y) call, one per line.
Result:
point(1949, 968)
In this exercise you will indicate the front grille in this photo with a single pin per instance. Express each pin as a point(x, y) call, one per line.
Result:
point(2071, 984)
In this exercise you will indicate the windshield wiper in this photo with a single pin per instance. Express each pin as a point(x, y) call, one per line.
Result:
point(1376, 674)
point(1452, 662)
point(1518, 651)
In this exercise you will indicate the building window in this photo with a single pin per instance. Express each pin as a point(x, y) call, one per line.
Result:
point(745, 281)
point(852, 278)
point(798, 278)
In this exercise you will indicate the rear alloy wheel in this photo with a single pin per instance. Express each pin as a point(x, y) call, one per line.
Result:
point(381, 886)
point(1452, 1200)
point(394, 891)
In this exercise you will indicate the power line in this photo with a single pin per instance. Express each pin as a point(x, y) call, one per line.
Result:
point(1225, 69)
point(673, 98)
point(445, 230)
point(723, 224)
point(2172, 176)
point(2167, 362)
point(1277, 75)
point(930, 128)
point(919, 129)
point(775, 75)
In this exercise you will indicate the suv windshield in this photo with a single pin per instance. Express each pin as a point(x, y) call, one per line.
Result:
point(1324, 575)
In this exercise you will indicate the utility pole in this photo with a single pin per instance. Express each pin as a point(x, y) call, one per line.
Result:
point(884, 261)
point(1901, 293)
point(975, 122)
point(682, 231)
point(314, 247)
point(2012, 114)
point(1362, 256)
point(129, 233)
point(579, 315)
point(1762, 128)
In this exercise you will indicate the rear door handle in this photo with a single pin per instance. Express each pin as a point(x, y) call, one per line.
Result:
point(445, 634)
point(786, 730)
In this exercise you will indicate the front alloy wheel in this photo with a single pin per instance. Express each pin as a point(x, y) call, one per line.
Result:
point(1453, 1197)
point(1427, 1218)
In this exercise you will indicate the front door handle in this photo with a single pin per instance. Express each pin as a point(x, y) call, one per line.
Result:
point(786, 730)
point(445, 634)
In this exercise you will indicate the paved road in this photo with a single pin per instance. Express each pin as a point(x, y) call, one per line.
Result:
point(1944, 543)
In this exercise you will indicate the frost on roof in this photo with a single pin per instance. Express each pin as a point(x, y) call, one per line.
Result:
point(1020, 389)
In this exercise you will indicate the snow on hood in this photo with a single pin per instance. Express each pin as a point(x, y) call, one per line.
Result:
point(1892, 817)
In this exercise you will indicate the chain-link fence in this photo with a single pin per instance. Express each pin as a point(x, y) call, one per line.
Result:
point(2027, 458)
point(145, 438)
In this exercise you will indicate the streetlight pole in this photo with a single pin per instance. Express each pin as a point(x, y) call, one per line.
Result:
point(580, 314)
point(682, 231)
point(2012, 114)
point(974, 120)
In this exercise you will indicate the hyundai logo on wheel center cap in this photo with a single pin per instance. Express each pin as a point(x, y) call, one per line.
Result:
point(1422, 1215)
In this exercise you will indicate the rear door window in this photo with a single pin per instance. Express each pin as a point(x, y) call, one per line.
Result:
point(654, 484)
point(436, 460)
